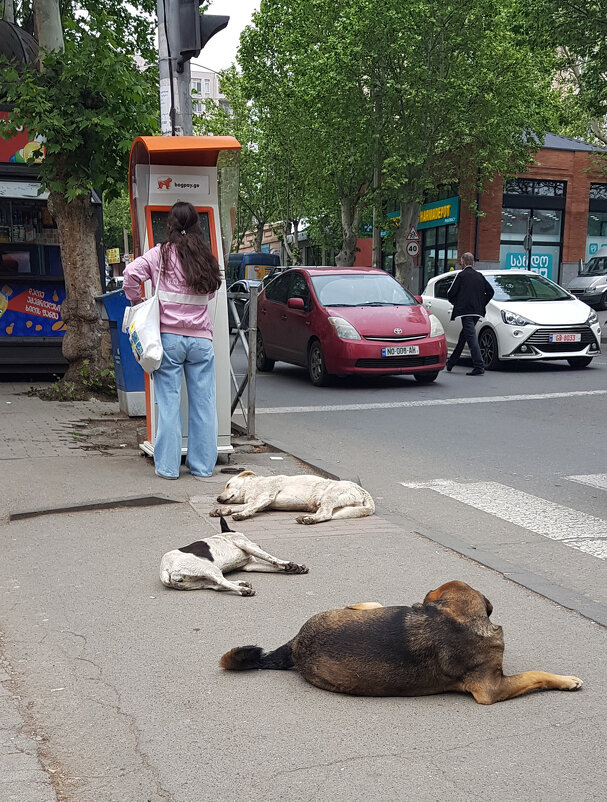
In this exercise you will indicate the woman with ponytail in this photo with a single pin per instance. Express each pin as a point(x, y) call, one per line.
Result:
point(189, 277)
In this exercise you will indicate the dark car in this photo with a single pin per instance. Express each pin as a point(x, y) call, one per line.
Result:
point(240, 292)
point(347, 320)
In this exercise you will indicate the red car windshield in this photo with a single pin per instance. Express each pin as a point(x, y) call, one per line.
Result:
point(367, 289)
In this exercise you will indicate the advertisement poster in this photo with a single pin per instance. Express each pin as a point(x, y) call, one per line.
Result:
point(33, 311)
point(21, 148)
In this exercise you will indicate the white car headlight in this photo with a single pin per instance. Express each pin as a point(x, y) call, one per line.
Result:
point(512, 319)
point(436, 327)
point(592, 318)
point(344, 329)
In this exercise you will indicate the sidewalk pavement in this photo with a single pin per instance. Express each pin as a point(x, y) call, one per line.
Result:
point(109, 686)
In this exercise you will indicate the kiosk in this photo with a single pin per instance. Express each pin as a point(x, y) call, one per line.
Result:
point(204, 172)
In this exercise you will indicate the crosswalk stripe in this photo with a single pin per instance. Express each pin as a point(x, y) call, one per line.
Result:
point(572, 527)
point(428, 402)
point(591, 479)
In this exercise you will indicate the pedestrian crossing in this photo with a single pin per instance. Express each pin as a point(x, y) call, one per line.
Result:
point(574, 528)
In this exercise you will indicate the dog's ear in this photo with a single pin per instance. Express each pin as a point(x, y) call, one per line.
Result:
point(488, 605)
point(224, 525)
point(246, 473)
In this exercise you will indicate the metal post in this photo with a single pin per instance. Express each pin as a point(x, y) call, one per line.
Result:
point(376, 247)
point(164, 73)
point(252, 362)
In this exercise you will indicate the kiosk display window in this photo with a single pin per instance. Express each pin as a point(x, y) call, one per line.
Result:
point(158, 219)
point(29, 242)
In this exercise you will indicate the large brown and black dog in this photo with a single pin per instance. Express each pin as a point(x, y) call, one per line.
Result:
point(447, 643)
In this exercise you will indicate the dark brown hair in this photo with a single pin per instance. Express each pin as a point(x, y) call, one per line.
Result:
point(200, 268)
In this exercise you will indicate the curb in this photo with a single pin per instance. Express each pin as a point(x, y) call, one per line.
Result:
point(329, 470)
point(569, 599)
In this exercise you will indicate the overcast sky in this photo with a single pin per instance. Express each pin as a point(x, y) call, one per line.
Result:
point(221, 50)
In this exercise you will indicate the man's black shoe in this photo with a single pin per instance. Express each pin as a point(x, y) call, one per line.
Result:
point(476, 372)
point(448, 367)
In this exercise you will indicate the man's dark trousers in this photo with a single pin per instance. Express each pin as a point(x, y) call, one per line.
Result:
point(468, 336)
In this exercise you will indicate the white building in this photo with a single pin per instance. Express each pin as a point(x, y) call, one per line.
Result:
point(205, 84)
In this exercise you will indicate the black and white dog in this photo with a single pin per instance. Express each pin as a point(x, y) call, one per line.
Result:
point(203, 563)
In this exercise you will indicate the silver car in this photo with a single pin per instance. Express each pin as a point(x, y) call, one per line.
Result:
point(590, 285)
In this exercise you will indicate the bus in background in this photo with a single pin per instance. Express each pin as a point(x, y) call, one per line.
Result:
point(250, 266)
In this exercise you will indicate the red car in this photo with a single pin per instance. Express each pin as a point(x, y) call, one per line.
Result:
point(344, 320)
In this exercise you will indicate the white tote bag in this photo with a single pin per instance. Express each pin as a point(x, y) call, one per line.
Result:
point(142, 323)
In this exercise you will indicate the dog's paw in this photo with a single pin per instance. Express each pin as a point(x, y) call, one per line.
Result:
point(306, 519)
point(246, 591)
point(239, 516)
point(295, 568)
point(215, 513)
point(244, 584)
point(571, 683)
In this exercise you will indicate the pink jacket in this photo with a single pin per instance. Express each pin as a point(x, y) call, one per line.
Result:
point(182, 311)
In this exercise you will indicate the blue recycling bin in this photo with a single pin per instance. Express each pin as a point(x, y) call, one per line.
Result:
point(129, 375)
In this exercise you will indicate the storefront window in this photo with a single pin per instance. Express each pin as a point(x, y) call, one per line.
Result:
point(439, 251)
point(546, 224)
point(534, 207)
point(598, 192)
point(534, 186)
point(597, 233)
point(29, 242)
point(544, 258)
point(597, 220)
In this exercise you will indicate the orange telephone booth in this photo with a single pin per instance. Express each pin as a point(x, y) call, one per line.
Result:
point(204, 172)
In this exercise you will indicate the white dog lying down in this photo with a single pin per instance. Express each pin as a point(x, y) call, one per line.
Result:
point(201, 564)
point(326, 498)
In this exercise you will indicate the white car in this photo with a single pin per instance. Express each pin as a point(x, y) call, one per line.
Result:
point(529, 317)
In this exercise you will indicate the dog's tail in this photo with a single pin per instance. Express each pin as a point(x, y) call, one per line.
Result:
point(243, 658)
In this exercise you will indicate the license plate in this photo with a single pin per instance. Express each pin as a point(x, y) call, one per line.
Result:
point(400, 350)
point(564, 338)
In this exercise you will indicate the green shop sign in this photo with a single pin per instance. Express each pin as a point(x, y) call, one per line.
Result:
point(440, 213)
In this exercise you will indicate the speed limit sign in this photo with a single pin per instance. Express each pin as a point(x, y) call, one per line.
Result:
point(412, 248)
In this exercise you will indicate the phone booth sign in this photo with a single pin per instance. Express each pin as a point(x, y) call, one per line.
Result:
point(204, 172)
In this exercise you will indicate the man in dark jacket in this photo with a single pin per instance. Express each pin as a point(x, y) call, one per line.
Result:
point(470, 293)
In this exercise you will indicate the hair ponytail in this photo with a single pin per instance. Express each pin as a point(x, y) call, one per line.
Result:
point(200, 268)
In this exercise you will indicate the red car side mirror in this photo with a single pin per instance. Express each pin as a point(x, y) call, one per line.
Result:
point(418, 298)
point(296, 303)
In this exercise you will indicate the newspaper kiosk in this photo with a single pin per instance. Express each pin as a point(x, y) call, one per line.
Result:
point(204, 172)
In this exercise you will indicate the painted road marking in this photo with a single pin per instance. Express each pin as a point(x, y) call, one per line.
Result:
point(430, 402)
point(591, 479)
point(573, 528)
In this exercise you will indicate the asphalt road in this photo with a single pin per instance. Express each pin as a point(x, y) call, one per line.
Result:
point(510, 466)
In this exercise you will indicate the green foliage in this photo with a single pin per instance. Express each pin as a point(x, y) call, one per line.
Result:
point(578, 36)
point(133, 24)
point(98, 382)
point(88, 103)
point(116, 218)
point(427, 93)
point(92, 383)
point(304, 67)
point(257, 195)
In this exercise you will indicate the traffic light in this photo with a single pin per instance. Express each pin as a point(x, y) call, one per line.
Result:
point(194, 29)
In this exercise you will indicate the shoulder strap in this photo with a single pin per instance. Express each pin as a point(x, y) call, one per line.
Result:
point(159, 270)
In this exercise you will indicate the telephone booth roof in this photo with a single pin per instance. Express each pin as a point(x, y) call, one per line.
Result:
point(195, 151)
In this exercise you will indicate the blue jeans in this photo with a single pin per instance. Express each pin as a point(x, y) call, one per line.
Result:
point(467, 336)
point(194, 356)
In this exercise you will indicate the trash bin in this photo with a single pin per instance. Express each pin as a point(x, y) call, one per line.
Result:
point(129, 375)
